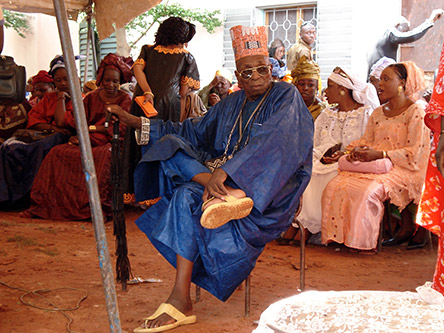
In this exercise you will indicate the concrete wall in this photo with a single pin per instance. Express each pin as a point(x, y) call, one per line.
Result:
point(41, 44)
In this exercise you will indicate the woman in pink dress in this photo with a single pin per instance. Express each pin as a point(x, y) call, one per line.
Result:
point(352, 203)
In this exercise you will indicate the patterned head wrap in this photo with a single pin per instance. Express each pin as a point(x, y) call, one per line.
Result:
point(363, 93)
point(415, 80)
point(248, 41)
point(379, 66)
point(42, 76)
point(435, 108)
point(305, 69)
point(116, 62)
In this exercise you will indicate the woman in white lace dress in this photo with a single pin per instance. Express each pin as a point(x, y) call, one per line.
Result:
point(338, 125)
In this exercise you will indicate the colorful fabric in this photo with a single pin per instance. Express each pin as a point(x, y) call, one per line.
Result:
point(363, 92)
point(116, 62)
point(431, 208)
point(352, 203)
point(59, 190)
point(43, 112)
point(305, 69)
point(42, 76)
point(248, 41)
point(225, 256)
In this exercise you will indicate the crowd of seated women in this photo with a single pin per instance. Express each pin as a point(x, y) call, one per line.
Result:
point(361, 128)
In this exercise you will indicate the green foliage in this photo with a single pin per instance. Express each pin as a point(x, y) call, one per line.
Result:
point(17, 21)
point(144, 22)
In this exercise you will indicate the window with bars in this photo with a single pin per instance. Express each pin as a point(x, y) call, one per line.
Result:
point(285, 23)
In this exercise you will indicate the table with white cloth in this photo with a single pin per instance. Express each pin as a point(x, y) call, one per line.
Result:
point(356, 311)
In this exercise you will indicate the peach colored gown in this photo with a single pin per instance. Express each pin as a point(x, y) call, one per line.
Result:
point(352, 203)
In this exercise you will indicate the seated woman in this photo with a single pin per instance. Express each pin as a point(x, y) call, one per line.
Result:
point(337, 126)
point(20, 161)
point(352, 203)
point(306, 79)
point(59, 191)
point(276, 53)
point(42, 83)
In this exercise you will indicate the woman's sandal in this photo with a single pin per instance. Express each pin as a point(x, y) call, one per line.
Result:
point(217, 214)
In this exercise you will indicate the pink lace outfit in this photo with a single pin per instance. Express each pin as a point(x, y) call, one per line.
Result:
point(352, 203)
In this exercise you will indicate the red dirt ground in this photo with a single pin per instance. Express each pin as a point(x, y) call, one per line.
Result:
point(40, 254)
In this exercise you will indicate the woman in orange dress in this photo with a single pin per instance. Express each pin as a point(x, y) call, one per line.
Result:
point(431, 208)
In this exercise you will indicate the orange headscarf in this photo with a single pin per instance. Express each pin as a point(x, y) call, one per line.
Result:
point(415, 80)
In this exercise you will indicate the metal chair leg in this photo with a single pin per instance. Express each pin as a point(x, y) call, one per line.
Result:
point(197, 294)
point(302, 261)
point(247, 296)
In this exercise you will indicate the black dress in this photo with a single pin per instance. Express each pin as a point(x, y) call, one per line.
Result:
point(165, 70)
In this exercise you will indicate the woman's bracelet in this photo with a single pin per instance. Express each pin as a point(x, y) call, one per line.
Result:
point(148, 93)
point(384, 154)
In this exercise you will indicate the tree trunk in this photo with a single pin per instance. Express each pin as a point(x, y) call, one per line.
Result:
point(123, 47)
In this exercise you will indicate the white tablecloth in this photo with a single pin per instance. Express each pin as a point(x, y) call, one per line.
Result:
point(356, 311)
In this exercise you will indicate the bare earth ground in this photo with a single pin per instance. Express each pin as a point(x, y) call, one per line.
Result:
point(40, 254)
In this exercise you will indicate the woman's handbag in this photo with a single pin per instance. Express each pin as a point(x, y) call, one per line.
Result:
point(382, 165)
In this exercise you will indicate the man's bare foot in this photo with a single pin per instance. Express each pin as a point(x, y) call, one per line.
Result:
point(183, 305)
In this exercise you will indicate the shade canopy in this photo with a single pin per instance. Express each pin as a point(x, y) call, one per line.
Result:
point(107, 13)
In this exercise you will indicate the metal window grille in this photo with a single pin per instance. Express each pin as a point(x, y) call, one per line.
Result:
point(285, 23)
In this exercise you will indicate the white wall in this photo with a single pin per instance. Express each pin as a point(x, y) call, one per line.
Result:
point(41, 44)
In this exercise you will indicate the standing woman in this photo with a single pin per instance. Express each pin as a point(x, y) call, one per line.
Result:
point(20, 161)
point(352, 204)
point(165, 72)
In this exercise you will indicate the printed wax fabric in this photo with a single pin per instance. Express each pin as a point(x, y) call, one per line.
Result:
point(59, 190)
point(273, 169)
point(165, 70)
point(352, 202)
point(431, 208)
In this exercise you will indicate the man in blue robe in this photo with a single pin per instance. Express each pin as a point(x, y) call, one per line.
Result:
point(269, 134)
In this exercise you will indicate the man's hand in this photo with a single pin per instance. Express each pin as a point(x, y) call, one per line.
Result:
point(215, 186)
point(74, 140)
point(124, 117)
point(63, 95)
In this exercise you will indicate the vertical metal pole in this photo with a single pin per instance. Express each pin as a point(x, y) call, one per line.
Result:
point(88, 167)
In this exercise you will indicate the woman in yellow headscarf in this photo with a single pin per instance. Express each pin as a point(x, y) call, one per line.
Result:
point(306, 79)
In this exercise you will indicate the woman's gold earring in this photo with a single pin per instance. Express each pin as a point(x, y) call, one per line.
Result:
point(399, 90)
point(342, 93)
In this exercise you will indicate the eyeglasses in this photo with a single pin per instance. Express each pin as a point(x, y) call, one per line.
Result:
point(340, 71)
point(248, 73)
